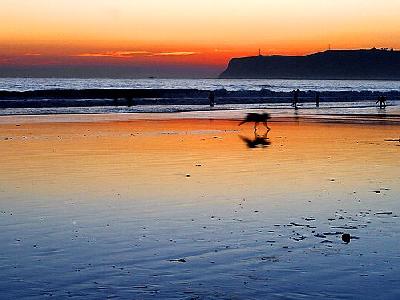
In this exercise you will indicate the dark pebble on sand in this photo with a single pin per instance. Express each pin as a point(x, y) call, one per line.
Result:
point(384, 213)
point(180, 260)
point(346, 238)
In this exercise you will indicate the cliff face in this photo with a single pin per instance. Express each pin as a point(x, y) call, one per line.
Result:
point(333, 64)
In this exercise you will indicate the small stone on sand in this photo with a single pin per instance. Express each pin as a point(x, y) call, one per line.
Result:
point(180, 260)
point(346, 238)
point(384, 213)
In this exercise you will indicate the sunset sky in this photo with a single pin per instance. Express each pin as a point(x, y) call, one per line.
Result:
point(180, 38)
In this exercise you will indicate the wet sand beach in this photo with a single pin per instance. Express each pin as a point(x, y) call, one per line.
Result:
point(179, 207)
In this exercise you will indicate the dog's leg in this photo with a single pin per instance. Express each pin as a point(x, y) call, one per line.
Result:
point(255, 127)
point(266, 125)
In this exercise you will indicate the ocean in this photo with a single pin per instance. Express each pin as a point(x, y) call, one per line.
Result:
point(29, 84)
point(330, 107)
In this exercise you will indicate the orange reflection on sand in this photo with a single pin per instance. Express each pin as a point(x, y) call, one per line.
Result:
point(193, 159)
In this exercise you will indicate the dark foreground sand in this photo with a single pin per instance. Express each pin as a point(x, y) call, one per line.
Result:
point(96, 207)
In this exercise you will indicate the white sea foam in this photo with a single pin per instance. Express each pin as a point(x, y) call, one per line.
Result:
point(26, 84)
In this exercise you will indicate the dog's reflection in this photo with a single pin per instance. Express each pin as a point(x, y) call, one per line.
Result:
point(259, 141)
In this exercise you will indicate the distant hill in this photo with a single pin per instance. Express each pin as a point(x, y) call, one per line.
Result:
point(376, 64)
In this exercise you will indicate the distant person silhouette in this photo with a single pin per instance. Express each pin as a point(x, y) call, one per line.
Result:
point(211, 98)
point(293, 92)
point(129, 102)
point(382, 102)
point(317, 98)
point(296, 94)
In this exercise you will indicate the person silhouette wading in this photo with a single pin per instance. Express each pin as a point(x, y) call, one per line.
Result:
point(211, 98)
point(295, 98)
point(317, 99)
point(382, 102)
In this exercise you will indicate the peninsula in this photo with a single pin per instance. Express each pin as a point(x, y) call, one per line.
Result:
point(372, 64)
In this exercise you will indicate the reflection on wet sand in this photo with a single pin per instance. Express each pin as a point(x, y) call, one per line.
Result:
point(259, 141)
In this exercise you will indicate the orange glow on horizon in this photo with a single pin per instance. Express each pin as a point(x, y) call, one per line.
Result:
point(188, 32)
